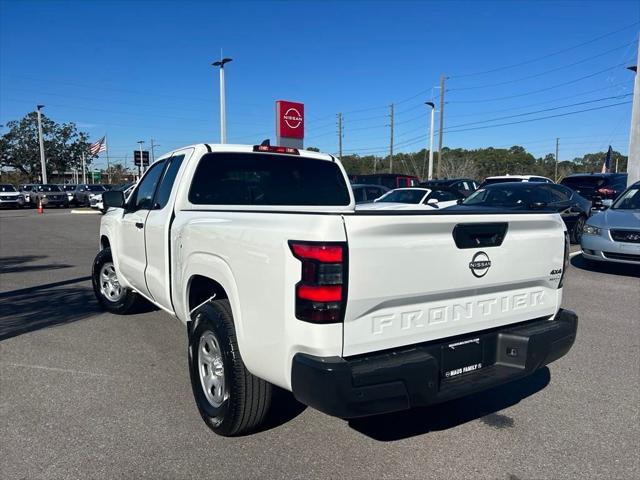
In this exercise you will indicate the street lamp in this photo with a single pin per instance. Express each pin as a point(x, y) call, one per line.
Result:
point(433, 111)
point(42, 161)
point(223, 117)
point(141, 165)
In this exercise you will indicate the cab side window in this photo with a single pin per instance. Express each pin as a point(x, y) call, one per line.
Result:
point(559, 193)
point(142, 198)
point(168, 179)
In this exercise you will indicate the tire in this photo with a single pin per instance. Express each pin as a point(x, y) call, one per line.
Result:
point(122, 303)
point(576, 233)
point(238, 403)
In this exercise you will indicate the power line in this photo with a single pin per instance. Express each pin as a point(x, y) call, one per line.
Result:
point(540, 111)
point(537, 119)
point(545, 102)
point(515, 80)
point(543, 57)
point(569, 82)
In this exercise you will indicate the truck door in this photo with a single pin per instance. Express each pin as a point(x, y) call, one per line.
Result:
point(157, 231)
point(132, 255)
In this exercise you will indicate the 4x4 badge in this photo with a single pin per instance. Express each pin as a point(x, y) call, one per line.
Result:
point(479, 264)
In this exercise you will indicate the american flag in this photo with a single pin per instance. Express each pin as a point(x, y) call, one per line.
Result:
point(99, 146)
point(606, 166)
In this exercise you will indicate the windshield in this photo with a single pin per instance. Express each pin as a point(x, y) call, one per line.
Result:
point(7, 188)
point(629, 200)
point(492, 181)
point(404, 196)
point(510, 196)
point(48, 188)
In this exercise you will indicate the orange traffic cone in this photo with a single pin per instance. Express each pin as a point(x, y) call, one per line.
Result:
point(40, 209)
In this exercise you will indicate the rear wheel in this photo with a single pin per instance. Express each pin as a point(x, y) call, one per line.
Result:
point(107, 288)
point(230, 399)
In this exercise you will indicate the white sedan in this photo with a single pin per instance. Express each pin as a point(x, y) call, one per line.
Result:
point(412, 198)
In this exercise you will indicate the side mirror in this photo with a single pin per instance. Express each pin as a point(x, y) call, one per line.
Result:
point(432, 201)
point(375, 200)
point(607, 203)
point(459, 201)
point(113, 199)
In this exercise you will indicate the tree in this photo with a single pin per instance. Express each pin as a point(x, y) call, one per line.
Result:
point(63, 146)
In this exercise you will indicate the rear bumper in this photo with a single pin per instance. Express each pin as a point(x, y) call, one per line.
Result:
point(410, 377)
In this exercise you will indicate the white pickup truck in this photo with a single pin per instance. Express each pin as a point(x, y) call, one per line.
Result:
point(260, 252)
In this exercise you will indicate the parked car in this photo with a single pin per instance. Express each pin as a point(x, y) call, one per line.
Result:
point(68, 188)
point(411, 199)
point(574, 209)
point(614, 234)
point(83, 193)
point(368, 193)
point(356, 313)
point(389, 180)
point(10, 197)
point(50, 195)
point(514, 178)
point(126, 188)
point(462, 186)
point(597, 186)
point(28, 192)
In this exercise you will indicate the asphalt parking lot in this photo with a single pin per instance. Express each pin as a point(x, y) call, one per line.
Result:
point(86, 394)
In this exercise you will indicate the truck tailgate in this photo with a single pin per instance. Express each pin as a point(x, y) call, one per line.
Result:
point(412, 279)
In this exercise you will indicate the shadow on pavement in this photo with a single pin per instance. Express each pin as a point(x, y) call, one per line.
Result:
point(484, 406)
point(17, 264)
point(284, 408)
point(622, 269)
point(43, 306)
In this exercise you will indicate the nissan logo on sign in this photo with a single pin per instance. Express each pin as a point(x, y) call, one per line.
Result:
point(289, 119)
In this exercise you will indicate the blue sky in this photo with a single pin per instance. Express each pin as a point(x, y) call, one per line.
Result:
point(141, 70)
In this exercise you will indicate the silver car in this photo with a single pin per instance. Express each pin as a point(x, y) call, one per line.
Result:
point(614, 234)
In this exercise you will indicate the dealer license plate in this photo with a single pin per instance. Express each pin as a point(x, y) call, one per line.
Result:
point(461, 357)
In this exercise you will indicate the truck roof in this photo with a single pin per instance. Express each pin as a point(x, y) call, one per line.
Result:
point(236, 147)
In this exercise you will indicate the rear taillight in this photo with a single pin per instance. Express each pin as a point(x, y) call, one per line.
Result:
point(321, 291)
point(274, 149)
point(606, 191)
point(565, 262)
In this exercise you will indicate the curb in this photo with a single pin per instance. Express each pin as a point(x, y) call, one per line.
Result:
point(86, 212)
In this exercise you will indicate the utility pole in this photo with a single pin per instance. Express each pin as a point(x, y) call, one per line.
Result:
point(223, 115)
point(633, 165)
point(557, 148)
point(433, 112)
point(43, 164)
point(106, 143)
point(340, 136)
point(84, 170)
point(391, 143)
point(153, 154)
point(440, 133)
point(141, 166)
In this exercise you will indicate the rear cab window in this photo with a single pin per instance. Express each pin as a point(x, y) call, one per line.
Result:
point(235, 178)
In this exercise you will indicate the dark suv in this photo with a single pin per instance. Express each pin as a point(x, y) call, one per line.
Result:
point(597, 186)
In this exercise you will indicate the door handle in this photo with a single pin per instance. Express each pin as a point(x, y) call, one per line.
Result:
point(139, 224)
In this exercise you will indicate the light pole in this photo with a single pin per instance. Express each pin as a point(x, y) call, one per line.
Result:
point(633, 163)
point(141, 166)
point(43, 165)
point(223, 116)
point(433, 111)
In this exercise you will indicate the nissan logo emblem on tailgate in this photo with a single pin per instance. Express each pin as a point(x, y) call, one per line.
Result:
point(480, 264)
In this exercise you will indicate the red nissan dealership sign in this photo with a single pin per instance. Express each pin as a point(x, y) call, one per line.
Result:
point(289, 119)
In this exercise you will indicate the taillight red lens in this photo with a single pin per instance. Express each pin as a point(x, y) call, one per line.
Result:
point(321, 292)
point(326, 253)
point(274, 149)
point(606, 191)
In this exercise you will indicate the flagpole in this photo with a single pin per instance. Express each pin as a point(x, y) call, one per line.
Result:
point(84, 170)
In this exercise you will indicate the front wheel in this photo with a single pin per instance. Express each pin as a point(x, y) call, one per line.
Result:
point(576, 234)
point(230, 399)
point(106, 286)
